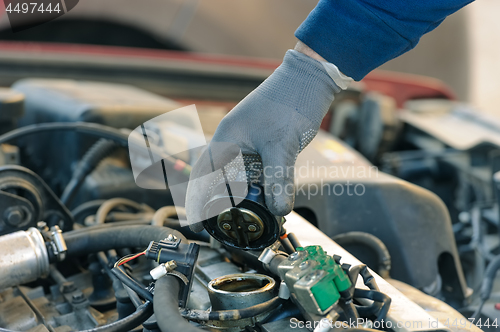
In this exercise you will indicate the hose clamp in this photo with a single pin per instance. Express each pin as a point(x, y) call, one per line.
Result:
point(57, 243)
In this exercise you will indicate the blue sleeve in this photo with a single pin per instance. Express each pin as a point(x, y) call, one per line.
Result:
point(359, 35)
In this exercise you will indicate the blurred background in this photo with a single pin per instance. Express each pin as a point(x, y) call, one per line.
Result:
point(463, 51)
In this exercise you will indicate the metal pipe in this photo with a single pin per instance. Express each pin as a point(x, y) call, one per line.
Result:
point(23, 259)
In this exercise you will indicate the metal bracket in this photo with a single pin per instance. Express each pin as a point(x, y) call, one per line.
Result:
point(15, 212)
point(25, 199)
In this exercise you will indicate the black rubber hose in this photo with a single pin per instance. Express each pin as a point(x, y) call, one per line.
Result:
point(117, 283)
point(120, 136)
point(489, 277)
point(371, 241)
point(368, 278)
point(138, 317)
point(350, 311)
point(294, 240)
point(85, 209)
point(170, 223)
point(110, 225)
point(287, 245)
point(97, 152)
point(93, 129)
point(166, 307)
point(376, 307)
point(132, 283)
point(94, 239)
point(487, 285)
point(287, 310)
point(375, 296)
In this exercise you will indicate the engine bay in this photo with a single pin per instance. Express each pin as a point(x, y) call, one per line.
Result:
point(84, 248)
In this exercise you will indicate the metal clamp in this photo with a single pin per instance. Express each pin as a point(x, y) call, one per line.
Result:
point(57, 243)
point(179, 275)
point(269, 253)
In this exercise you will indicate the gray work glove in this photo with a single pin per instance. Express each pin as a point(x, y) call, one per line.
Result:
point(276, 121)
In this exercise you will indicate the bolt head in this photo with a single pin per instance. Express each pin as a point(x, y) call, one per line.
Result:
point(171, 265)
point(313, 276)
point(252, 228)
point(226, 226)
point(294, 256)
point(78, 297)
point(171, 238)
point(304, 265)
point(15, 217)
point(67, 287)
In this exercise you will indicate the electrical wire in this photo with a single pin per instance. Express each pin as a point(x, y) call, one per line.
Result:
point(94, 129)
point(478, 310)
point(376, 296)
point(103, 259)
point(127, 280)
point(381, 302)
point(487, 285)
point(120, 136)
point(128, 258)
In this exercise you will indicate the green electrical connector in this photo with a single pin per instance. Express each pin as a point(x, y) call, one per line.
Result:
point(316, 279)
point(325, 293)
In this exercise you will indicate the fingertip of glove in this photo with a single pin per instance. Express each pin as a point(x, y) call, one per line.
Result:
point(196, 227)
point(280, 205)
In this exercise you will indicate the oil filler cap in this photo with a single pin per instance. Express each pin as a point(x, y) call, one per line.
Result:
point(249, 225)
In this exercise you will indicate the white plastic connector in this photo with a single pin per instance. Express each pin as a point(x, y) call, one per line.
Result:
point(158, 272)
point(162, 269)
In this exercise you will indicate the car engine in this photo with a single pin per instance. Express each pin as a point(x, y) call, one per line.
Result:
point(85, 248)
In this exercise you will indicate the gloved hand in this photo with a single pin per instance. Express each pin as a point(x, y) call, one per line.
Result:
point(276, 121)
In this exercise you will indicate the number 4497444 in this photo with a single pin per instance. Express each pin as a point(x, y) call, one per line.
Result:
point(486, 323)
point(32, 8)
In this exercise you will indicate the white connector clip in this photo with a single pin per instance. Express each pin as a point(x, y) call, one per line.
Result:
point(162, 269)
